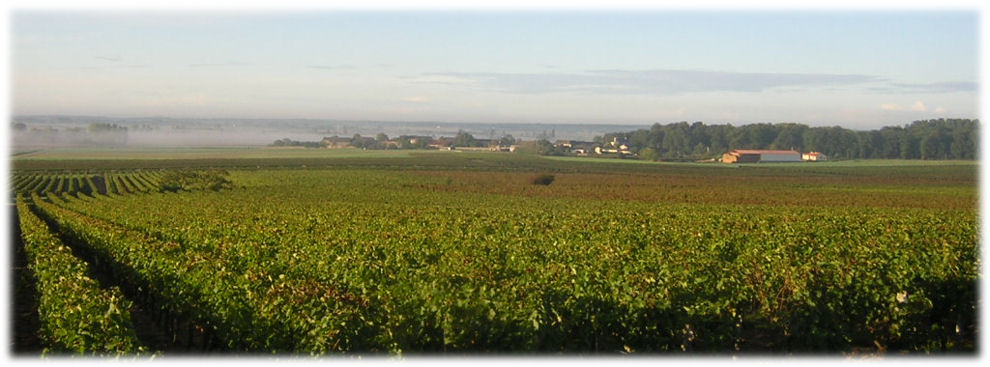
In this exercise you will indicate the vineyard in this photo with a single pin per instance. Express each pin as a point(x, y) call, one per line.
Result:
point(468, 255)
point(87, 183)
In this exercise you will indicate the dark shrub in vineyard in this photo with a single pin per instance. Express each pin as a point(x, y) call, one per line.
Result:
point(543, 179)
point(189, 180)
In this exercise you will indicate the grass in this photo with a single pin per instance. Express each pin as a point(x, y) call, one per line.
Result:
point(599, 160)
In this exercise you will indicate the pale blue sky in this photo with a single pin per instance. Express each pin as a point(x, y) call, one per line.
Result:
point(856, 69)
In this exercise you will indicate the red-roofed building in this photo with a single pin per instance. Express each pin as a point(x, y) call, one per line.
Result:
point(762, 156)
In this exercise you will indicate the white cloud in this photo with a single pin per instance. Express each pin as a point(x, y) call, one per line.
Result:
point(917, 106)
point(939, 109)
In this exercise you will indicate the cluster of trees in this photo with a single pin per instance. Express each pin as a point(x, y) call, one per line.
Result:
point(927, 139)
point(464, 139)
point(545, 147)
point(293, 143)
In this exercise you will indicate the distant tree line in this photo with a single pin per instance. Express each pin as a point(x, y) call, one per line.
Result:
point(93, 134)
point(462, 139)
point(293, 143)
point(100, 127)
point(926, 139)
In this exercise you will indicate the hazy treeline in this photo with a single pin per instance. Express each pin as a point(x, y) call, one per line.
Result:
point(96, 133)
point(382, 141)
point(294, 143)
point(927, 139)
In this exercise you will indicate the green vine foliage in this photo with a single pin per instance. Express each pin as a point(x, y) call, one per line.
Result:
point(376, 261)
point(77, 316)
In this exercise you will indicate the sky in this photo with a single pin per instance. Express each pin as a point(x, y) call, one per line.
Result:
point(857, 69)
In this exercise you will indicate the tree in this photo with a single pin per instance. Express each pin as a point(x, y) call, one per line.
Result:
point(463, 139)
point(962, 146)
point(718, 136)
point(700, 150)
point(791, 136)
point(934, 145)
point(544, 147)
point(909, 147)
point(739, 139)
point(761, 135)
point(506, 139)
point(891, 138)
point(649, 154)
point(359, 142)
point(639, 139)
point(870, 143)
point(676, 140)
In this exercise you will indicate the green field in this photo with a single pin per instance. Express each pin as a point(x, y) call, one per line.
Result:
point(348, 251)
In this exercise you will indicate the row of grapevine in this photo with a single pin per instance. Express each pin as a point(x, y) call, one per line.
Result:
point(377, 261)
point(77, 316)
point(87, 184)
point(194, 291)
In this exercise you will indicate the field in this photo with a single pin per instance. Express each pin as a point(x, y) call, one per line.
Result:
point(444, 252)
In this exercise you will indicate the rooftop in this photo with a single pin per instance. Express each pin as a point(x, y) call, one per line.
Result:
point(756, 151)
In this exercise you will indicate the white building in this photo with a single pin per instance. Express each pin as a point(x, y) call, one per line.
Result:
point(814, 157)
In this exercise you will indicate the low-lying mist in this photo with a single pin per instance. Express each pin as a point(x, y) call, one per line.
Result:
point(41, 132)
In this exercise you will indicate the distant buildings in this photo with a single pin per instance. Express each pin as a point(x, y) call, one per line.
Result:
point(763, 156)
point(617, 147)
point(581, 148)
point(766, 156)
point(414, 142)
point(443, 143)
point(335, 142)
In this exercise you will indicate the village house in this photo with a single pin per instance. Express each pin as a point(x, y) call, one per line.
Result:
point(575, 146)
point(336, 142)
point(618, 146)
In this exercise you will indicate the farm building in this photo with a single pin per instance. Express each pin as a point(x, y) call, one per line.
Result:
point(442, 143)
point(336, 142)
point(814, 157)
point(763, 156)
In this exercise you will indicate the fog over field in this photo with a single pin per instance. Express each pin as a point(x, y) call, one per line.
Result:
point(31, 132)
